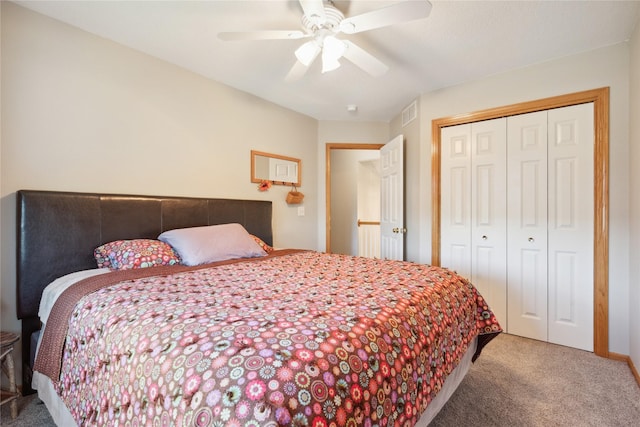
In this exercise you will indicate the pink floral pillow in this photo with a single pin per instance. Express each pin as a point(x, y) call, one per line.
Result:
point(138, 253)
point(268, 249)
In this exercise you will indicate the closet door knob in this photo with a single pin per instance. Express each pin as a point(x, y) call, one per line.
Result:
point(531, 239)
point(484, 237)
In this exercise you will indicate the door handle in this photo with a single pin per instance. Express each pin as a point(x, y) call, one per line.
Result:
point(399, 230)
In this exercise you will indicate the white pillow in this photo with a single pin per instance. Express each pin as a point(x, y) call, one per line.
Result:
point(201, 245)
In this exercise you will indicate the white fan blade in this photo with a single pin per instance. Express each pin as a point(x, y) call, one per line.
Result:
point(314, 11)
point(394, 14)
point(296, 72)
point(364, 60)
point(262, 35)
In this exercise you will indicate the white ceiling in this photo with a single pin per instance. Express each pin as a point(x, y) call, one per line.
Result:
point(460, 41)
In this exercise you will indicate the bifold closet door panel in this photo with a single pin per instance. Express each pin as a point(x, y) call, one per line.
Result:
point(571, 231)
point(489, 213)
point(455, 199)
point(527, 225)
point(473, 207)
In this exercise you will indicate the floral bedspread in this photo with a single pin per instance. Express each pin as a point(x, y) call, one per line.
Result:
point(300, 339)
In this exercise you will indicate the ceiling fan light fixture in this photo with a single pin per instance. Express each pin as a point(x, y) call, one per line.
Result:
point(329, 64)
point(307, 52)
point(332, 50)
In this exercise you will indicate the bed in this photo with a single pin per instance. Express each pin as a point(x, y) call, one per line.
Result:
point(286, 337)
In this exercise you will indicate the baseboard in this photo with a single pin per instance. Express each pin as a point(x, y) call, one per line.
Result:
point(634, 371)
point(625, 358)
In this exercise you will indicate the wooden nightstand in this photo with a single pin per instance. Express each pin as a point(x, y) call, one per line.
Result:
point(7, 340)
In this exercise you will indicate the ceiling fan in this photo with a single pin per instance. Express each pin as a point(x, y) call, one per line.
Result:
point(322, 22)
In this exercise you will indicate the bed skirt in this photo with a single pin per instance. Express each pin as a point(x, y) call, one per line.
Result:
point(62, 417)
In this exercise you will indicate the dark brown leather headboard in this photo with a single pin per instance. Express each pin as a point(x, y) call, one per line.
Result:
point(58, 231)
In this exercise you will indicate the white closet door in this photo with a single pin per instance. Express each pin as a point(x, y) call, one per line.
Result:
point(527, 225)
point(489, 213)
point(571, 236)
point(455, 243)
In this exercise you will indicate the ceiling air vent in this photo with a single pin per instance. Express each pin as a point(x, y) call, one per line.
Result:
point(409, 113)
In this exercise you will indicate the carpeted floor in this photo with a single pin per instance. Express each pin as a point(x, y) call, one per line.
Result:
point(522, 382)
point(516, 382)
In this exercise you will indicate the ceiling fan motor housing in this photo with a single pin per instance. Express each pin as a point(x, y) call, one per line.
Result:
point(332, 20)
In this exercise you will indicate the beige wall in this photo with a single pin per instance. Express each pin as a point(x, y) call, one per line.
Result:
point(634, 200)
point(603, 67)
point(81, 113)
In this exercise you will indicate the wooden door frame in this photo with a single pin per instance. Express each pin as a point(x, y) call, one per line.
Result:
point(600, 99)
point(337, 146)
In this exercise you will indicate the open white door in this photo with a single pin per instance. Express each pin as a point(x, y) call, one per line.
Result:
point(392, 199)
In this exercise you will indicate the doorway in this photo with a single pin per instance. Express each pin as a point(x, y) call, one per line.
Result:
point(344, 223)
point(368, 207)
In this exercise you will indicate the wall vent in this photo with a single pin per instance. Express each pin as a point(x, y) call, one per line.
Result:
point(409, 113)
